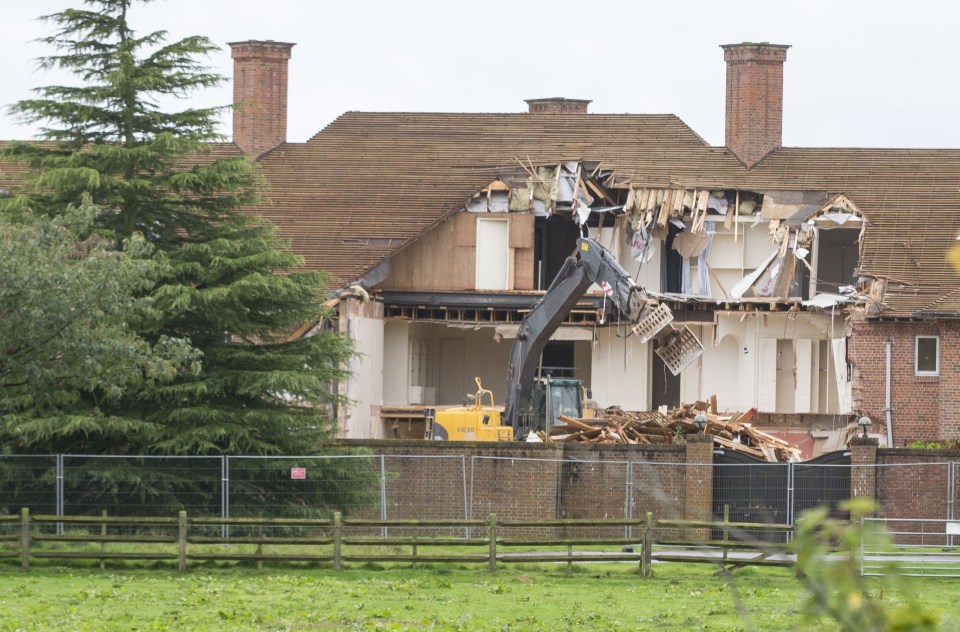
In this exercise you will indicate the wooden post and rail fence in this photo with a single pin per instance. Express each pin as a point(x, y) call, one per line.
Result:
point(335, 541)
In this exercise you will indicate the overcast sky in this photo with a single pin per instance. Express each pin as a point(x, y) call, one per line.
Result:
point(859, 74)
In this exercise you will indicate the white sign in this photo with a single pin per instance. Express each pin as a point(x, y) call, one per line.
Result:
point(298, 473)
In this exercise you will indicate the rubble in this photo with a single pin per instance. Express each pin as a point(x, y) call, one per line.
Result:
point(731, 432)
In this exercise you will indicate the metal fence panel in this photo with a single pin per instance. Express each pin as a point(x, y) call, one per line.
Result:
point(29, 481)
point(302, 486)
point(454, 487)
point(140, 485)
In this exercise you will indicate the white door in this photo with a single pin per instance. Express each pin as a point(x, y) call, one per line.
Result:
point(493, 254)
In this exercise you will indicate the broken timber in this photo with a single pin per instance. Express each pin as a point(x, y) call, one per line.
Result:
point(732, 432)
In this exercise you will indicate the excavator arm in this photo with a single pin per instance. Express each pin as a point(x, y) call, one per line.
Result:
point(591, 263)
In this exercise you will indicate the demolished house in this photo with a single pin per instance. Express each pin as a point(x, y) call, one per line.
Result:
point(800, 269)
point(443, 230)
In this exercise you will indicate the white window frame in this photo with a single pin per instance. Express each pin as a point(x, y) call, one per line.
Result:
point(916, 357)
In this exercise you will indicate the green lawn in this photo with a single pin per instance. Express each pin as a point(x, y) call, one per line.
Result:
point(592, 597)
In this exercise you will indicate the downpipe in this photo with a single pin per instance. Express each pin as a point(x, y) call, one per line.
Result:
point(888, 410)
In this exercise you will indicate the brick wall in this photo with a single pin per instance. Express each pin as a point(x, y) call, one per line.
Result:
point(924, 408)
point(259, 95)
point(528, 481)
point(536, 481)
point(754, 115)
point(915, 484)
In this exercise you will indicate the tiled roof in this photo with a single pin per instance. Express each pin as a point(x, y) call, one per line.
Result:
point(370, 181)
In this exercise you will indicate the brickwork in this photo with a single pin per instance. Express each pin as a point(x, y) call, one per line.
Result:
point(534, 481)
point(863, 475)
point(915, 484)
point(259, 95)
point(698, 495)
point(924, 408)
point(557, 105)
point(622, 482)
point(522, 480)
point(754, 116)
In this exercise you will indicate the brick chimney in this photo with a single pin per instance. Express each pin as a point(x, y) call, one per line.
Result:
point(259, 95)
point(754, 99)
point(557, 105)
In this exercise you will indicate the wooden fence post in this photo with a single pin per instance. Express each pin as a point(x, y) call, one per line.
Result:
point(103, 542)
point(337, 537)
point(726, 529)
point(260, 542)
point(25, 539)
point(492, 537)
point(646, 559)
point(182, 543)
point(413, 564)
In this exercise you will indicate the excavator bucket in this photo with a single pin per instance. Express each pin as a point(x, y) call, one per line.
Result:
point(678, 348)
point(653, 321)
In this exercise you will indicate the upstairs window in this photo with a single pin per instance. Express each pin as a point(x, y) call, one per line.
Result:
point(927, 355)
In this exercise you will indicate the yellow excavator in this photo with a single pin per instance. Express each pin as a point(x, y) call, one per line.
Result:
point(478, 422)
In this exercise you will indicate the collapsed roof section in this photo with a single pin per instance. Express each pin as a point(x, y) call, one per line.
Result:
point(684, 221)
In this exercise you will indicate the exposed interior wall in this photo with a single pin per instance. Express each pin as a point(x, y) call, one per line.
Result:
point(396, 361)
point(782, 362)
point(620, 371)
point(721, 365)
point(363, 322)
point(454, 243)
point(734, 253)
point(452, 358)
point(646, 274)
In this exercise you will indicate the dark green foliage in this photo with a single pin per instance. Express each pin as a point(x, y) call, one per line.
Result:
point(70, 299)
point(224, 281)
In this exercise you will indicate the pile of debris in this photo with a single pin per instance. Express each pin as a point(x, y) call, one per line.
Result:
point(733, 432)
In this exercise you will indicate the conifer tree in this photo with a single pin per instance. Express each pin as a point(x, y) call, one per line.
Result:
point(68, 298)
point(232, 288)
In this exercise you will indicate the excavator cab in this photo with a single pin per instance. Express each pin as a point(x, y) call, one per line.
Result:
point(556, 396)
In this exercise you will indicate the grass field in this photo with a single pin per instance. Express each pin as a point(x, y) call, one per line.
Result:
point(592, 597)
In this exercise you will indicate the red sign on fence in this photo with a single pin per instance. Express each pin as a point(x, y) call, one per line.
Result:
point(298, 473)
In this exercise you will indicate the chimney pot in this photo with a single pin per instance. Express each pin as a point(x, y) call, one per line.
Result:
point(557, 105)
point(754, 117)
point(259, 95)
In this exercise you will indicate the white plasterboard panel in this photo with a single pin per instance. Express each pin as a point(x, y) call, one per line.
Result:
point(844, 390)
point(805, 371)
point(396, 347)
point(767, 375)
point(620, 371)
point(365, 386)
point(726, 252)
point(493, 254)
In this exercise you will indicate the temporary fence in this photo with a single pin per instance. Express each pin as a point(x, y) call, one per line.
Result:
point(464, 487)
point(913, 546)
